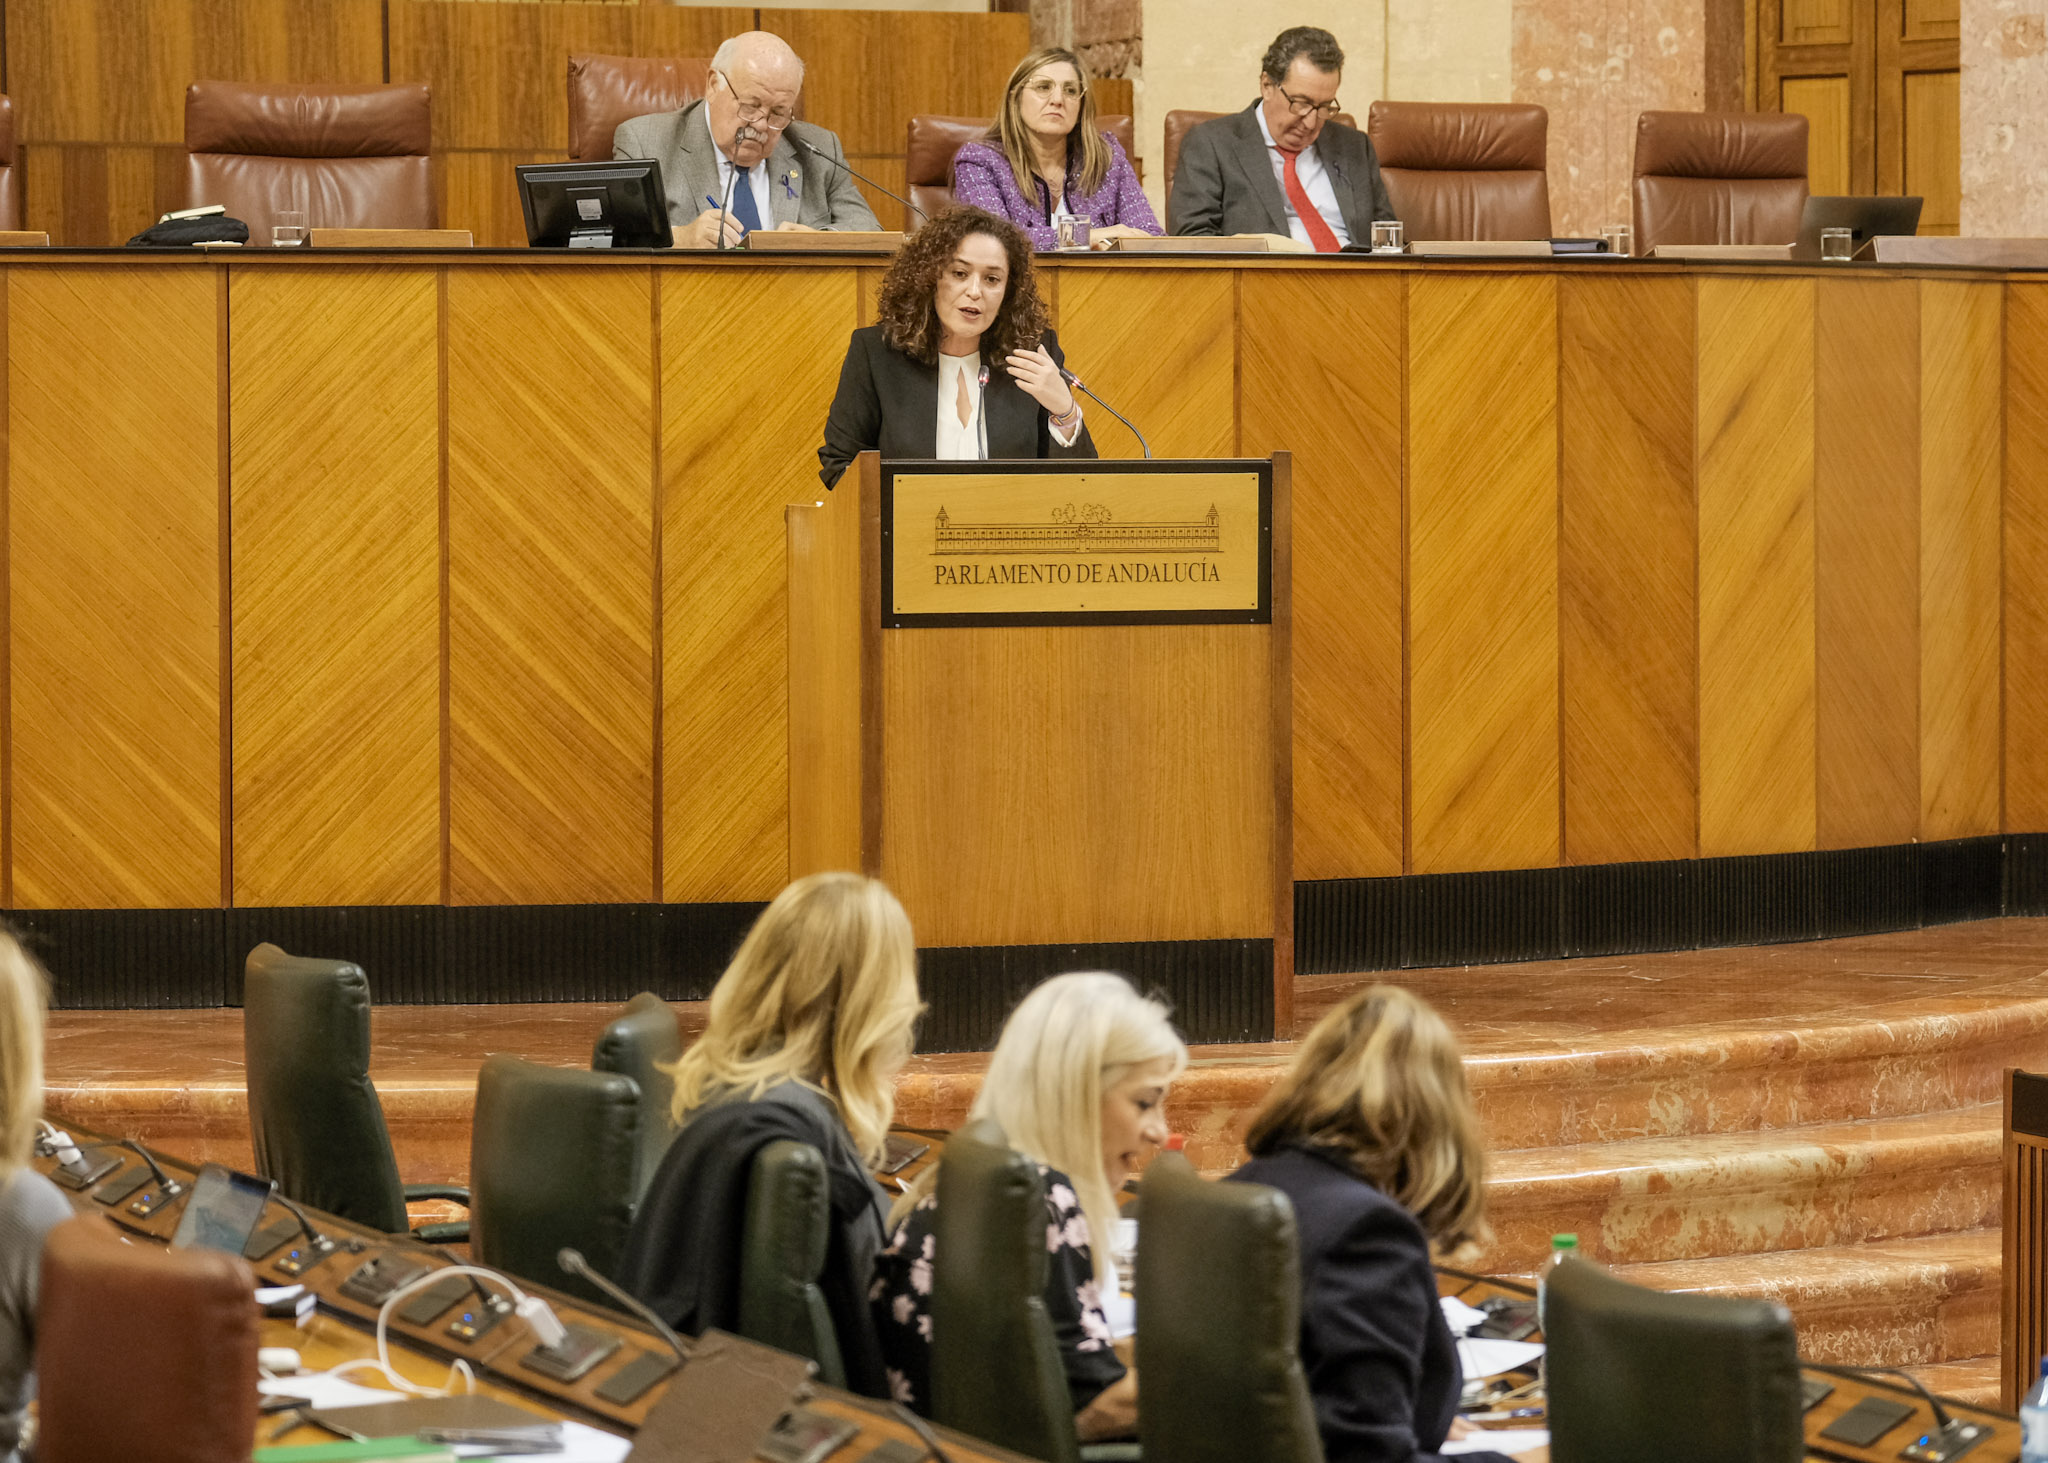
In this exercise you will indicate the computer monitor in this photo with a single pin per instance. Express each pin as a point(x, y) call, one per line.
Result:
point(601, 205)
point(1635, 1373)
point(1864, 217)
point(222, 1211)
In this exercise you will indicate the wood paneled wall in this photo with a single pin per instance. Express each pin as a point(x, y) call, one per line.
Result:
point(99, 85)
point(463, 581)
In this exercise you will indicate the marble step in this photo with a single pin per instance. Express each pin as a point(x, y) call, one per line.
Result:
point(1905, 1302)
point(1822, 1185)
point(1975, 1379)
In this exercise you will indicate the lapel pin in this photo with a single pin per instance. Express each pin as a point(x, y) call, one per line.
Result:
point(790, 180)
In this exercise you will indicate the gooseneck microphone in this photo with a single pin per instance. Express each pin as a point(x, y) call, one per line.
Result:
point(732, 176)
point(572, 1261)
point(1948, 1429)
point(317, 1242)
point(847, 167)
point(1079, 385)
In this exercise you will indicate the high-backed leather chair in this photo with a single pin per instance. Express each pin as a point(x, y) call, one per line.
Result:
point(553, 1153)
point(638, 1043)
point(1718, 178)
point(783, 1254)
point(1635, 1373)
point(10, 175)
point(1219, 1322)
point(607, 90)
point(345, 156)
point(314, 1114)
point(928, 152)
point(1464, 170)
point(143, 1352)
point(996, 1369)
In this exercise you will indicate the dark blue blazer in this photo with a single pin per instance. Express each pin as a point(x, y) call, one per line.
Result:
point(1381, 1362)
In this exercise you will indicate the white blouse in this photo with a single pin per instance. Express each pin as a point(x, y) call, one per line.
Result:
point(967, 441)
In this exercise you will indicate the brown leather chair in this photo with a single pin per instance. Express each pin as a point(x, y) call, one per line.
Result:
point(10, 176)
point(607, 90)
point(345, 156)
point(180, 1331)
point(928, 155)
point(1464, 170)
point(1718, 178)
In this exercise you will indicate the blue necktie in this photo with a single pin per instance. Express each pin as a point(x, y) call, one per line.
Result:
point(743, 200)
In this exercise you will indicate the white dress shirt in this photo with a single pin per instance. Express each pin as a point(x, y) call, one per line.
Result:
point(757, 180)
point(1315, 181)
point(968, 441)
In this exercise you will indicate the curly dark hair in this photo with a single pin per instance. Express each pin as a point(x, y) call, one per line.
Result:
point(908, 314)
point(1312, 43)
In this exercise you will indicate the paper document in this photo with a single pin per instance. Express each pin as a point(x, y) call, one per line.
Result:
point(1461, 1317)
point(580, 1444)
point(1483, 1357)
point(1500, 1440)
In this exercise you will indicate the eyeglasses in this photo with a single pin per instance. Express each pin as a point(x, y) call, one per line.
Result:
point(774, 119)
point(1302, 106)
point(1045, 89)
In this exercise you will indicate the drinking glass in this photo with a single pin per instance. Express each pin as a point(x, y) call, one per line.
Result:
point(1620, 239)
point(1837, 246)
point(1386, 236)
point(288, 228)
point(1073, 230)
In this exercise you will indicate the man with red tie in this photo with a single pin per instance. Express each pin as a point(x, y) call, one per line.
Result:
point(1282, 166)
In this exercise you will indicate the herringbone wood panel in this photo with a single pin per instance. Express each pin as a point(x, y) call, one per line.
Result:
point(115, 583)
point(1627, 611)
point(337, 587)
point(550, 568)
point(1962, 338)
point(1347, 550)
point(1866, 529)
point(2026, 557)
point(749, 363)
point(1161, 347)
point(1756, 549)
point(1482, 572)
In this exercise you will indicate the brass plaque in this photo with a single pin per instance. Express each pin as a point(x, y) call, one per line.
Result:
point(1166, 543)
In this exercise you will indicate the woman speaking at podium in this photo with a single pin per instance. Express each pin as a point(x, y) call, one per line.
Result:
point(962, 365)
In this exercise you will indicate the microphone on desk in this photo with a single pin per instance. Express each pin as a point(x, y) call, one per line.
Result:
point(732, 176)
point(571, 1260)
point(169, 1187)
point(1951, 1436)
point(847, 167)
point(316, 1242)
point(1079, 385)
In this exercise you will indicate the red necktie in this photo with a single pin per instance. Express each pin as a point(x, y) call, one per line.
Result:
point(1319, 233)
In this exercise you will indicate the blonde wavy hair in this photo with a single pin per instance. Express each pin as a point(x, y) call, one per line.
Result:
point(1011, 135)
point(1067, 1043)
point(23, 994)
point(1380, 1081)
point(822, 992)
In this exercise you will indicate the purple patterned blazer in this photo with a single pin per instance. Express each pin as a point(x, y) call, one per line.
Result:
point(982, 177)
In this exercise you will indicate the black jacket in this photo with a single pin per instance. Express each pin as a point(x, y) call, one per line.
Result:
point(682, 1255)
point(888, 401)
point(1224, 183)
point(1381, 1362)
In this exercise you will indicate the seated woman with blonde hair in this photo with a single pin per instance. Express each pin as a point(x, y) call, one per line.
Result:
point(808, 1027)
point(1372, 1135)
point(1078, 1085)
point(30, 1205)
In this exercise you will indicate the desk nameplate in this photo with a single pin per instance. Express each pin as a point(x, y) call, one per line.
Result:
point(1034, 543)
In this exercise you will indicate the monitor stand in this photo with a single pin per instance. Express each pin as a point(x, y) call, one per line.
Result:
point(590, 238)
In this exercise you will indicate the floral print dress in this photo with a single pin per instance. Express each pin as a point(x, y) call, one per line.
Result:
point(902, 1299)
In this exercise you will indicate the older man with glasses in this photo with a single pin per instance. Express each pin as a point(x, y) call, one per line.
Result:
point(739, 160)
point(1282, 165)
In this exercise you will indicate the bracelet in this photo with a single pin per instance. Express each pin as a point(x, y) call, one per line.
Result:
point(1068, 417)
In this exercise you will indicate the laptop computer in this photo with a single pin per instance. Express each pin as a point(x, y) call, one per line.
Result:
point(1864, 217)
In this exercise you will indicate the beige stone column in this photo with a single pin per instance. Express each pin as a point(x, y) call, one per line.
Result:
point(2005, 118)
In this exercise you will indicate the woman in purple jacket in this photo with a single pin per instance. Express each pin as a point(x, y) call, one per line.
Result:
point(1045, 157)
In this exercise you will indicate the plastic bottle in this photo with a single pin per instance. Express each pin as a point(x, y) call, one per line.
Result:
point(1562, 1247)
point(2034, 1420)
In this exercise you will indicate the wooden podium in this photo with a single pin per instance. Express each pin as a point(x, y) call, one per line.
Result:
point(1049, 704)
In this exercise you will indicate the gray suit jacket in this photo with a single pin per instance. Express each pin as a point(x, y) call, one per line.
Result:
point(801, 189)
point(1224, 182)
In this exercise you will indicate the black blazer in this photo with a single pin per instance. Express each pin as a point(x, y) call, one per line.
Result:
point(1382, 1365)
point(1224, 183)
point(888, 401)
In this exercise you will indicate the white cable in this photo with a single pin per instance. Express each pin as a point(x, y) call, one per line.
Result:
point(547, 1329)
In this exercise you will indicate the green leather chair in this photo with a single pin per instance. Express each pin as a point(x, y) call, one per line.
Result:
point(783, 1254)
point(313, 1111)
point(643, 1039)
point(552, 1158)
point(996, 1371)
point(1219, 1322)
point(1635, 1373)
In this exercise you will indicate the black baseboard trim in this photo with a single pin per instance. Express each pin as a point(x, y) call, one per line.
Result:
point(1218, 990)
point(1425, 920)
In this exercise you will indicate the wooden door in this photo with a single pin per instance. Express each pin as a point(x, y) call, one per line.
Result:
point(1878, 82)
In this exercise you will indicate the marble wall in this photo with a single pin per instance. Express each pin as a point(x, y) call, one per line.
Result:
point(2005, 118)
